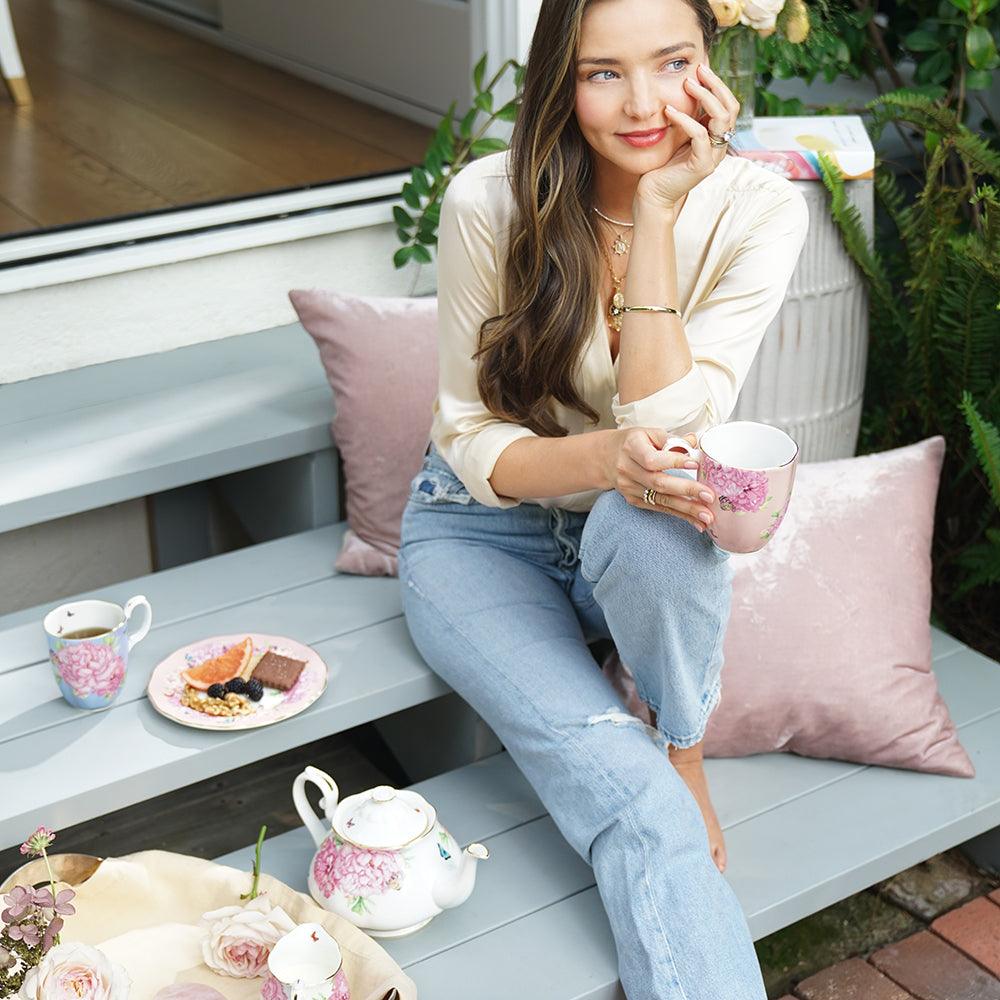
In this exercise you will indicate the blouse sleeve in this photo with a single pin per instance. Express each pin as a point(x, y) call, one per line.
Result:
point(725, 330)
point(468, 435)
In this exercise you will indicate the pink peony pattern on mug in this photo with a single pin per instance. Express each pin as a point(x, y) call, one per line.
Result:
point(90, 668)
point(356, 872)
point(273, 990)
point(738, 489)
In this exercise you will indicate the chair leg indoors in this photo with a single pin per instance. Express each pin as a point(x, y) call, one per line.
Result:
point(11, 67)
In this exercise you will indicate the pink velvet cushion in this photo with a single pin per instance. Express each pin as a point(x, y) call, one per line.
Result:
point(380, 356)
point(828, 647)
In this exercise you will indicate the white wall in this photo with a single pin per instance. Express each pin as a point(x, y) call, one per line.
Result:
point(44, 330)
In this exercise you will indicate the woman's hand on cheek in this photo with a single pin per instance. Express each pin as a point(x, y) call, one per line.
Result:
point(695, 158)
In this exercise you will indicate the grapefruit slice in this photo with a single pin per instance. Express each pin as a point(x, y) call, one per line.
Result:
point(221, 668)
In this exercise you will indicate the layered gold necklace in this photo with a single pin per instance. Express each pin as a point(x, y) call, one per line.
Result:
point(619, 246)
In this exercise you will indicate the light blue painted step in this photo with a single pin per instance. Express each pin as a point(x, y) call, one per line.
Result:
point(94, 436)
point(62, 765)
point(801, 834)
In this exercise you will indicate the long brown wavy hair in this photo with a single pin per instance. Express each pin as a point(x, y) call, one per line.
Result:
point(529, 355)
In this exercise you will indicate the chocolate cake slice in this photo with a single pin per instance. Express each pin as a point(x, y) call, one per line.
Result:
point(276, 671)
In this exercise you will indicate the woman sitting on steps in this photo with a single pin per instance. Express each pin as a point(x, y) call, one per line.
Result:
point(603, 285)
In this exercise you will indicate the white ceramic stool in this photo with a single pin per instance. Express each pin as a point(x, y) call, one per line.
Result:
point(11, 68)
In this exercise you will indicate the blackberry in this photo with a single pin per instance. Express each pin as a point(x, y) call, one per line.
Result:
point(237, 685)
point(216, 691)
point(255, 690)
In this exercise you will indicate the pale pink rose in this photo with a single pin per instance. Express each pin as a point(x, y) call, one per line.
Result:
point(738, 489)
point(76, 972)
point(355, 871)
point(761, 13)
point(240, 938)
point(90, 668)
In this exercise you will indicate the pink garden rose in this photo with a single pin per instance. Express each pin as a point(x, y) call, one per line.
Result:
point(355, 871)
point(738, 489)
point(240, 938)
point(76, 972)
point(90, 668)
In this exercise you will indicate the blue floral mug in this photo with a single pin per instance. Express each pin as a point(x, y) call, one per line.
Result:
point(89, 643)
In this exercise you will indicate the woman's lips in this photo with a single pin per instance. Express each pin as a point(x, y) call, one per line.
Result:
point(641, 140)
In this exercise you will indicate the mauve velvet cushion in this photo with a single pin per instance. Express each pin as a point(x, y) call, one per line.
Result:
point(380, 356)
point(828, 647)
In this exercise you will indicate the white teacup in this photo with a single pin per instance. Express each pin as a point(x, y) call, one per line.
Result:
point(306, 964)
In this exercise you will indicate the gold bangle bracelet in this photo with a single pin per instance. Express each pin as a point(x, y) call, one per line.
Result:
point(650, 309)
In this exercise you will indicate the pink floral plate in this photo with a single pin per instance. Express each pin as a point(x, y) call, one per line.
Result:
point(166, 685)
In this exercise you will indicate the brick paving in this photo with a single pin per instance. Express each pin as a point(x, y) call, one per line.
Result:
point(955, 955)
point(975, 930)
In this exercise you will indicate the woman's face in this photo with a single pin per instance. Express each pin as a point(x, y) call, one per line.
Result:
point(633, 59)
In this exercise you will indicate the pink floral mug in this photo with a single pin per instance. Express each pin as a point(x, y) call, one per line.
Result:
point(89, 643)
point(751, 467)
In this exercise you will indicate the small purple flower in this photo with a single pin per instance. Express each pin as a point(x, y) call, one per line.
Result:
point(43, 898)
point(38, 841)
point(19, 901)
point(28, 933)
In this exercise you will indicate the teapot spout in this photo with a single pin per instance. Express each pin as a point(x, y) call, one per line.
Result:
point(451, 890)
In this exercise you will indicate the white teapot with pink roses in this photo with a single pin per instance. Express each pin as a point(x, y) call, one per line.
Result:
point(384, 861)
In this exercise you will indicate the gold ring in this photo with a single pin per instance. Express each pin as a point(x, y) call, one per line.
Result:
point(647, 495)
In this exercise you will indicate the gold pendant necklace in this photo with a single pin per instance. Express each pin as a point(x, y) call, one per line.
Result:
point(620, 245)
point(616, 307)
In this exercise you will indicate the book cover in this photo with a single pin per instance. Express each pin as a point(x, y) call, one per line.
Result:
point(789, 146)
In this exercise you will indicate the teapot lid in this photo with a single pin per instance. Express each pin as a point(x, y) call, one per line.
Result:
point(383, 818)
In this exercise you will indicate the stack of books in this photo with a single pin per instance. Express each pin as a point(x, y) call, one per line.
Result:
point(789, 146)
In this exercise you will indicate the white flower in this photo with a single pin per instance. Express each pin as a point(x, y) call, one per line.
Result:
point(241, 937)
point(76, 972)
point(761, 13)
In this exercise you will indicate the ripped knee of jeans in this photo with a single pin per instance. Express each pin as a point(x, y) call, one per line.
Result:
point(617, 717)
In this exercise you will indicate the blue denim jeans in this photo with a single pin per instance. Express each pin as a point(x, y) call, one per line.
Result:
point(502, 604)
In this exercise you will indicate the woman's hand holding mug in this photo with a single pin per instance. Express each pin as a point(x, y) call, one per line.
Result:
point(637, 461)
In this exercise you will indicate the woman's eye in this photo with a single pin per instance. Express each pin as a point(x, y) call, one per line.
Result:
point(607, 74)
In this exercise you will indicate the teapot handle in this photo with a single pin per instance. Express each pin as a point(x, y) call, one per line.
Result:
point(331, 794)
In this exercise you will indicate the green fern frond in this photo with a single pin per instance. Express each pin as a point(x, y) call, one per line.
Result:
point(856, 242)
point(908, 106)
point(964, 329)
point(986, 441)
point(982, 562)
point(887, 189)
point(982, 158)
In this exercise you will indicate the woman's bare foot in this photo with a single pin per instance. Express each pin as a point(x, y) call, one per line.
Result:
point(688, 764)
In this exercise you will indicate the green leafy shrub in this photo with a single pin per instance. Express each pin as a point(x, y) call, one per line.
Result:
point(934, 354)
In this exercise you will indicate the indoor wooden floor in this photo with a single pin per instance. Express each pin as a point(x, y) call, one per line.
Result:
point(130, 116)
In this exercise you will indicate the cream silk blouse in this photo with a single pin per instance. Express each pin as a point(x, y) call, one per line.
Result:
point(738, 238)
